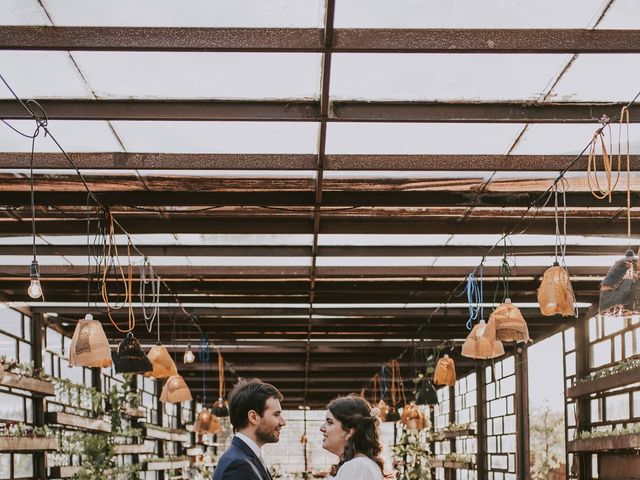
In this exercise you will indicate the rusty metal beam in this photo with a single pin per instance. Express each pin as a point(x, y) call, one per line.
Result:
point(324, 251)
point(232, 161)
point(204, 272)
point(309, 111)
point(344, 198)
point(218, 39)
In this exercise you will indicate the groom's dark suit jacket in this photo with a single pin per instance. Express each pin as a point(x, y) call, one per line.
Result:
point(240, 463)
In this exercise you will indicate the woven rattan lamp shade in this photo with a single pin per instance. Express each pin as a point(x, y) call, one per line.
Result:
point(555, 294)
point(162, 363)
point(445, 373)
point(481, 343)
point(175, 390)
point(130, 358)
point(509, 323)
point(207, 423)
point(89, 345)
point(620, 288)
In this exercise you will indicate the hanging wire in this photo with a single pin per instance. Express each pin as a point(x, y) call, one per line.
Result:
point(149, 278)
point(473, 298)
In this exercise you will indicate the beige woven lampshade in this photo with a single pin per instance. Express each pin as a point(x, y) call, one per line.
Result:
point(555, 294)
point(445, 373)
point(89, 345)
point(175, 390)
point(207, 423)
point(509, 323)
point(481, 343)
point(162, 363)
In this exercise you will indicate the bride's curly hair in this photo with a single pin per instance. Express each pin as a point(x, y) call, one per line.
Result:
point(355, 412)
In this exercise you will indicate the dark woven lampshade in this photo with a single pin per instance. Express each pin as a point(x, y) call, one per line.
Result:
point(220, 408)
point(620, 288)
point(130, 358)
point(425, 392)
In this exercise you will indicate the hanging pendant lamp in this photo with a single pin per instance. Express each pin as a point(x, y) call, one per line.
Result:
point(89, 345)
point(130, 358)
point(221, 407)
point(509, 323)
point(207, 423)
point(175, 390)
point(620, 288)
point(445, 373)
point(413, 417)
point(161, 362)
point(481, 343)
point(425, 392)
point(555, 294)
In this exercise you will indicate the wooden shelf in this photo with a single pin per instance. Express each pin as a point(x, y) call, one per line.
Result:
point(451, 434)
point(602, 444)
point(63, 472)
point(33, 385)
point(605, 383)
point(77, 421)
point(135, 448)
point(28, 444)
point(153, 465)
point(172, 436)
point(452, 465)
point(138, 412)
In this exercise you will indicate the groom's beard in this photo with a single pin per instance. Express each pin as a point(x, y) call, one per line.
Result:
point(266, 434)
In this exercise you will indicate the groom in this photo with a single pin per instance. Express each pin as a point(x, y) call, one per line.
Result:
point(256, 416)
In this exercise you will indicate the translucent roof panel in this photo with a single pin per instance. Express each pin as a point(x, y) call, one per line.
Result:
point(582, 83)
point(218, 137)
point(380, 239)
point(466, 13)
point(623, 14)
point(415, 138)
point(443, 77)
point(193, 13)
point(22, 12)
point(568, 138)
point(37, 74)
point(73, 135)
point(174, 75)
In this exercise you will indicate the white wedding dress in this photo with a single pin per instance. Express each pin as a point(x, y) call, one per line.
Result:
point(359, 468)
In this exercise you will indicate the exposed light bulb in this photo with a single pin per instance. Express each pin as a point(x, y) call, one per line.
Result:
point(35, 289)
point(189, 357)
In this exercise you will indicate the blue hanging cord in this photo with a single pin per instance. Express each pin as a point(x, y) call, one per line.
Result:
point(204, 354)
point(383, 384)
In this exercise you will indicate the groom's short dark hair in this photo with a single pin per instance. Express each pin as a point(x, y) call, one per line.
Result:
point(249, 395)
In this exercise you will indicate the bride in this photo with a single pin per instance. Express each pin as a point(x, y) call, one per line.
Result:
point(351, 431)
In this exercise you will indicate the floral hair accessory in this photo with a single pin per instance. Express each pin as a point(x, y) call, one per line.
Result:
point(375, 412)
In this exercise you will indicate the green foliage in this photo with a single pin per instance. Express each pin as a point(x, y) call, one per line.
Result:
point(24, 369)
point(623, 366)
point(24, 430)
point(97, 450)
point(547, 441)
point(629, 429)
point(412, 456)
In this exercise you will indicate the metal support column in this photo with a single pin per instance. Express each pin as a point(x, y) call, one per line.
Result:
point(582, 461)
point(37, 334)
point(481, 424)
point(522, 414)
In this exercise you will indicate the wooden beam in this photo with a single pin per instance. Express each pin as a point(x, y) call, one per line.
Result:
point(365, 40)
point(309, 111)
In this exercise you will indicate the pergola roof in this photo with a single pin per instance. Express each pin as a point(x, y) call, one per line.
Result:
point(314, 184)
